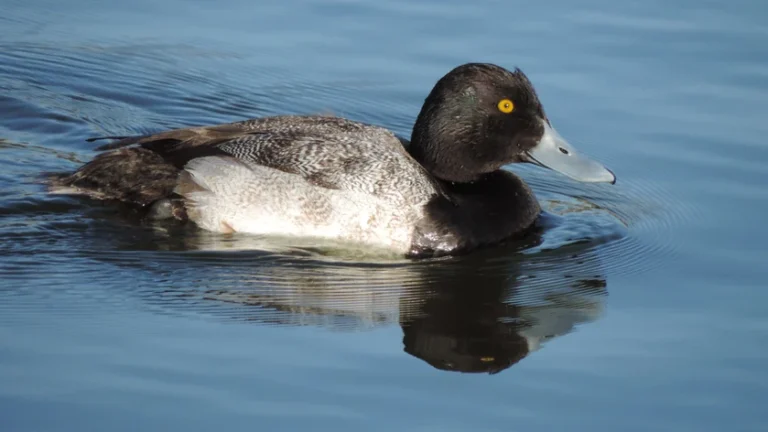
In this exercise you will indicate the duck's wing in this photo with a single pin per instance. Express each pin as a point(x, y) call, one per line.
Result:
point(371, 161)
point(178, 146)
point(144, 168)
point(269, 135)
point(328, 152)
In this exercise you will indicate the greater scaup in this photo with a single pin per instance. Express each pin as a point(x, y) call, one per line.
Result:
point(444, 192)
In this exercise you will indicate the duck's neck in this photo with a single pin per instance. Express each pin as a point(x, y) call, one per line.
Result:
point(444, 151)
point(496, 207)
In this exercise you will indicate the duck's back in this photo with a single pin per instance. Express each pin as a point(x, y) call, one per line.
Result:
point(334, 153)
point(312, 176)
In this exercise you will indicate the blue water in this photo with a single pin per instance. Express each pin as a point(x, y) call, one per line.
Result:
point(641, 307)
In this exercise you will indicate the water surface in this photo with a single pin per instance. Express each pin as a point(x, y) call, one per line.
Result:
point(640, 306)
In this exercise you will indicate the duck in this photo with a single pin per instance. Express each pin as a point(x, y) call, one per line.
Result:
point(444, 191)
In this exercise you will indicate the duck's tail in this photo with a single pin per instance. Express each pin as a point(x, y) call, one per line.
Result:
point(132, 175)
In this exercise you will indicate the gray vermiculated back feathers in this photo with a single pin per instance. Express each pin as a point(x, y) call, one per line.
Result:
point(337, 154)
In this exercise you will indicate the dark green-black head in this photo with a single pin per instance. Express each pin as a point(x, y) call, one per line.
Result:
point(480, 117)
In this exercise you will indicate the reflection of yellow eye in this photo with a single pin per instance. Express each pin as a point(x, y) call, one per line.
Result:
point(506, 106)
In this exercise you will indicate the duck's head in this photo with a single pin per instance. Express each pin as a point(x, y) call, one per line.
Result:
point(480, 117)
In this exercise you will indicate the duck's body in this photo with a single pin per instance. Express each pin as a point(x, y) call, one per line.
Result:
point(333, 178)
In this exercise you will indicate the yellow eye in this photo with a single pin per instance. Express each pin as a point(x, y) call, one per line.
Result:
point(506, 106)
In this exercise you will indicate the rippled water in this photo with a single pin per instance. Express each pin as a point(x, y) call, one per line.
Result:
point(639, 306)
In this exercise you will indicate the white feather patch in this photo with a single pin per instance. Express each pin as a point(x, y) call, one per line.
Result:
point(224, 194)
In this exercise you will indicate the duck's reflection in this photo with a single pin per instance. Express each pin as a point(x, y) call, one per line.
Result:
point(482, 313)
point(479, 313)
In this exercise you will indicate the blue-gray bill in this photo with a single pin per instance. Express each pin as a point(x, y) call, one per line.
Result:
point(554, 152)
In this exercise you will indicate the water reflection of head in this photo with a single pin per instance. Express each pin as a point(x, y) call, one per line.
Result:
point(476, 317)
point(459, 326)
